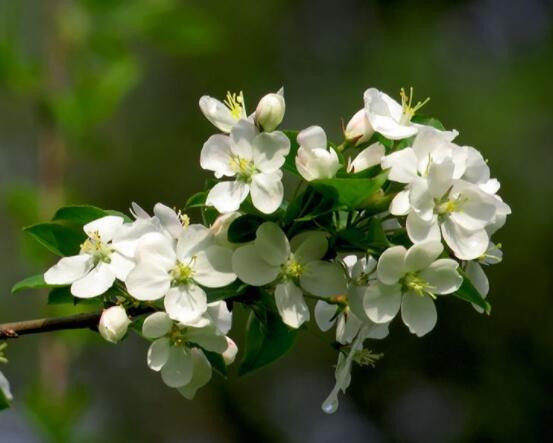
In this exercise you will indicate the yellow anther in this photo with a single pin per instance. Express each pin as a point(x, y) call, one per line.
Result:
point(235, 102)
point(293, 269)
point(243, 168)
point(408, 110)
point(182, 273)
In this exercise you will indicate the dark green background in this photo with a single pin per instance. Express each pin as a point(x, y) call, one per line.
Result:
point(487, 66)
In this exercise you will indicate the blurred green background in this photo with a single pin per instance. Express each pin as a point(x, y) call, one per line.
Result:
point(98, 104)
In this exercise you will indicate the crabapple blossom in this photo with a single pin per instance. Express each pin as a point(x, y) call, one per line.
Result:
point(224, 115)
point(314, 158)
point(254, 160)
point(295, 266)
point(358, 129)
point(270, 111)
point(113, 324)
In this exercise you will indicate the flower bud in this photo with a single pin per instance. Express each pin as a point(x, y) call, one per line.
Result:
point(230, 353)
point(359, 129)
point(114, 323)
point(219, 228)
point(270, 111)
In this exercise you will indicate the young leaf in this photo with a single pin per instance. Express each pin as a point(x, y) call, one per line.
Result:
point(60, 239)
point(428, 121)
point(197, 200)
point(243, 229)
point(290, 162)
point(33, 282)
point(79, 214)
point(469, 293)
point(266, 341)
point(349, 192)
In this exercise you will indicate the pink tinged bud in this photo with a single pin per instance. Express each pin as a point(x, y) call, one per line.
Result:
point(230, 354)
point(359, 129)
point(270, 111)
point(114, 323)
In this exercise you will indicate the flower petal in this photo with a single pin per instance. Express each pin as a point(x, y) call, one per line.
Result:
point(421, 255)
point(156, 248)
point(169, 219)
point(216, 156)
point(220, 315)
point(402, 165)
point(242, 136)
point(120, 265)
point(194, 238)
point(368, 157)
point(467, 245)
point(185, 303)
point(208, 338)
point(158, 354)
point(148, 281)
point(418, 313)
point(391, 265)
point(312, 137)
point(271, 244)
point(106, 226)
point(95, 283)
point(201, 374)
point(227, 196)
point(324, 279)
point(267, 191)
point(291, 304)
point(217, 113)
point(156, 325)
point(270, 150)
point(381, 302)
point(442, 276)
point(400, 204)
point(69, 269)
point(251, 269)
point(309, 246)
point(213, 267)
point(325, 315)
point(177, 371)
point(420, 230)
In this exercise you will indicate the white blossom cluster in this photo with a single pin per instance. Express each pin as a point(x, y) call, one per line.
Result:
point(443, 209)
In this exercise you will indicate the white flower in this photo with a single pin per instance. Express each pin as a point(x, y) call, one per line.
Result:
point(230, 353)
point(165, 220)
point(114, 323)
point(411, 279)
point(313, 159)
point(254, 160)
point(176, 271)
point(224, 115)
point(296, 264)
point(359, 129)
point(102, 259)
point(388, 117)
point(350, 317)
point(368, 157)
point(270, 111)
point(476, 274)
point(175, 352)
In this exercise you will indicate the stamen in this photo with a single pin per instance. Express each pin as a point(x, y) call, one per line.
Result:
point(408, 110)
point(236, 104)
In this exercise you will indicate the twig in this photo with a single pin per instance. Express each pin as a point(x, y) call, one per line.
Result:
point(78, 321)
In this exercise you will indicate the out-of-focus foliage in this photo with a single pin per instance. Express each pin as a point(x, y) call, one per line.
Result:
point(126, 111)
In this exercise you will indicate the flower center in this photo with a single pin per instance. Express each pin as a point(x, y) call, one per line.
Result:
point(408, 110)
point(176, 336)
point(415, 283)
point(235, 102)
point(293, 269)
point(181, 274)
point(243, 168)
point(452, 204)
point(183, 218)
point(99, 250)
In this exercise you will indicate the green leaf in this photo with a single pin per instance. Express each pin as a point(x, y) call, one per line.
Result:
point(233, 290)
point(290, 162)
point(197, 200)
point(33, 282)
point(217, 362)
point(79, 214)
point(243, 229)
point(469, 293)
point(428, 121)
point(266, 340)
point(60, 239)
point(62, 296)
point(349, 192)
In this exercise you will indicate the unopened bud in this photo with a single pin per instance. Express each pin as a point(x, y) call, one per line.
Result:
point(270, 111)
point(359, 129)
point(230, 353)
point(114, 323)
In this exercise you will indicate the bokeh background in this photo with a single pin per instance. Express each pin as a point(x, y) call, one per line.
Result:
point(98, 104)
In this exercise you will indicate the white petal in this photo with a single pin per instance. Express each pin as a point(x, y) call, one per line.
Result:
point(158, 354)
point(420, 230)
point(213, 267)
point(220, 315)
point(368, 157)
point(325, 315)
point(201, 374)
point(381, 302)
point(402, 165)
point(421, 255)
point(400, 204)
point(312, 137)
point(106, 226)
point(156, 325)
point(267, 191)
point(177, 371)
point(194, 238)
point(185, 303)
point(390, 128)
point(442, 276)
point(216, 156)
point(148, 281)
point(156, 248)
point(208, 338)
point(227, 196)
point(120, 265)
point(378, 331)
point(467, 245)
point(69, 269)
point(270, 150)
point(347, 328)
point(475, 213)
point(251, 268)
point(380, 103)
point(129, 235)
point(217, 113)
point(291, 304)
point(418, 313)
point(242, 136)
point(309, 246)
point(168, 219)
point(440, 177)
point(271, 244)
point(421, 198)
point(95, 283)
point(317, 163)
point(391, 265)
point(324, 279)
point(478, 278)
